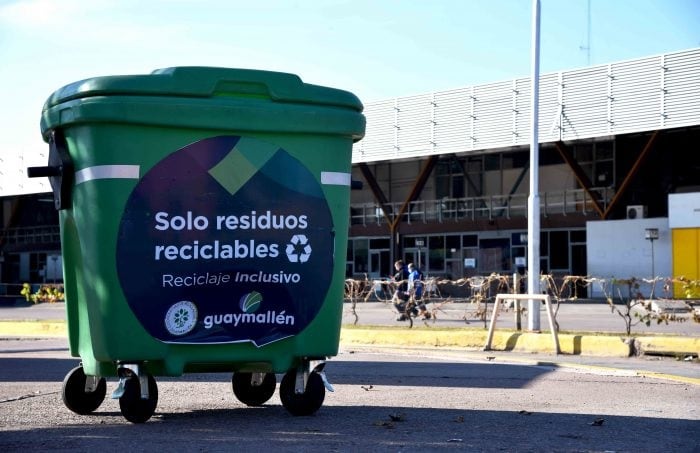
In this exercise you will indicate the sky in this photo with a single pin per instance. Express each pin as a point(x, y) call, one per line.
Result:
point(377, 49)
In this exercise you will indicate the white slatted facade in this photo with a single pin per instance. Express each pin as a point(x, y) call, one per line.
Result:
point(681, 80)
point(453, 124)
point(652, 93)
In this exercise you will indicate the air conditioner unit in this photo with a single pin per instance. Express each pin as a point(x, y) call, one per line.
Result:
point(636, 211)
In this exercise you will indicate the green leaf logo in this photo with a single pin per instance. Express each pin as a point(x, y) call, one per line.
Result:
point(251, 302)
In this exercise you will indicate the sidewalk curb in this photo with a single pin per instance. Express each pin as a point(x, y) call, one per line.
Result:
point(41, 328)
point(668, 345)
point(588, 345)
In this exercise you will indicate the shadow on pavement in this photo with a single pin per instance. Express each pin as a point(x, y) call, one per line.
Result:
point(361, 428)
point(405, 373)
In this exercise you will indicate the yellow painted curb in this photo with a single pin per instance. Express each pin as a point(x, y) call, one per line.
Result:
point(413, 337)
point(593, 345)
point(608, 346)
point(33, 328)
point(669, 345)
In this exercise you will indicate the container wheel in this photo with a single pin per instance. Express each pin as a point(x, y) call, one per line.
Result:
point(252, 391)
point(133, 407)
point(75, 395)
point(302, 403)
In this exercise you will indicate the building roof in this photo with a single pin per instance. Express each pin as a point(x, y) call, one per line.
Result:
point(645, 94)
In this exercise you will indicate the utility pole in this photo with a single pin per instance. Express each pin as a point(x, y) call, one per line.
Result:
point(533, 208)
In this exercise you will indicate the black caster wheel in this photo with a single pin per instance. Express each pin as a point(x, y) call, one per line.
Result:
point(302, 403)
point(76, 398)
point(133, 407)
point(251, 394)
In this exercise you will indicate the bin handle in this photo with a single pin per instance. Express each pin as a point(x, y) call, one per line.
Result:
point(59, 170)
point(41, 172)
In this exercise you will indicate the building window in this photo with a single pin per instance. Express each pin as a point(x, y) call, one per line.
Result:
point(449, 179)
point(559, 247)
point(516, 160)
point(475, 176)
point(361, 257)
point(470, 240)
point(37, 267)
point(436, 254)
point(492, 162)
point(597, 161)
point(452, 246)
point(494, 256)
point(382, 243)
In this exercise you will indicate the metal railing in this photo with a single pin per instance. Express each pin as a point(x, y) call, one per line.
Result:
point(11, 290)
point(477, 208)
point(43, 234)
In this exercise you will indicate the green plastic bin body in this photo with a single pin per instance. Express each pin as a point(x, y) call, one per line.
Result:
point(207, 220)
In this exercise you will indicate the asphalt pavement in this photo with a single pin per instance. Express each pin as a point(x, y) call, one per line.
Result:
point(383, 401)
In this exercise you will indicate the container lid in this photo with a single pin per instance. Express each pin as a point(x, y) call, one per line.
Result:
point(208, 82)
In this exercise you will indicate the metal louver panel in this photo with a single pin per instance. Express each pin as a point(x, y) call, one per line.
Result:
point(682, 89)
point(636, 96)
point(492, 111)
point(585, 103)
point(646, 94)
point(521, 130)
point(378, 143)
point(549, 123)
point(414, 122)
point(453, 121)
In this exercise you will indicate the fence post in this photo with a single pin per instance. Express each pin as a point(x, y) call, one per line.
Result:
point(516, 303)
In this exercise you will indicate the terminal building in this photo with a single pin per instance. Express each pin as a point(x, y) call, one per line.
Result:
point(445, 180)
point(446, 175)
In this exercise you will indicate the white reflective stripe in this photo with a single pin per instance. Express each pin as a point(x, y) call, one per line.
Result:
point(335, 178)
point(107, 172)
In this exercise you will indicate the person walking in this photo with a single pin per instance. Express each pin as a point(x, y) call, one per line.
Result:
point(401, 294)
point(415, 289)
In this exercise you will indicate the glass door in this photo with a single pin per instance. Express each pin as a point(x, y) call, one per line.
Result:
point(379, 265)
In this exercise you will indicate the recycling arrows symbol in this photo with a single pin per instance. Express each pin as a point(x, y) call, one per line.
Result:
point(298, 250)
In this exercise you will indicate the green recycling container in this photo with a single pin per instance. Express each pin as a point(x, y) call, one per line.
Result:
point(204, 220)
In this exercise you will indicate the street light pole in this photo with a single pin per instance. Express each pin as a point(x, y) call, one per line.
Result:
point(652, 234)
point(533, 209)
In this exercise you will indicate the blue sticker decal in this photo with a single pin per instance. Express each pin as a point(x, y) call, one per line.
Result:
point(229, 239)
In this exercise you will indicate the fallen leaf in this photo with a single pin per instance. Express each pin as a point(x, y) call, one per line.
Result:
point(368, 388)
point(397, 417)
point(597, 422)
point(524, 413)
